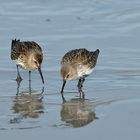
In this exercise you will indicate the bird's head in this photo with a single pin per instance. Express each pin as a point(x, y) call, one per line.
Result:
point(68, 72)
point(35, 60)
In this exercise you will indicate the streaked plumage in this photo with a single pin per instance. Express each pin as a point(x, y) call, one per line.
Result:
point(77, 64)
point(28, 55)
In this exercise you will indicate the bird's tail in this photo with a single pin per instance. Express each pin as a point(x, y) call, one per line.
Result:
point(96, 53)
point(14, 42)
point(95, 56)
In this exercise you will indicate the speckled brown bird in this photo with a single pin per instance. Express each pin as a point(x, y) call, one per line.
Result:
point(78, 64)
point(27, 55)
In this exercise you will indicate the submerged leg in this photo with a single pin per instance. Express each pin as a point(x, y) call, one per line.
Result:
point(18, 79)
point(18, 86)
point(80, 85)
point(29, 75)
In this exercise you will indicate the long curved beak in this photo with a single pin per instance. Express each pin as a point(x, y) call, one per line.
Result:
point(64, 82)
point(39, 69)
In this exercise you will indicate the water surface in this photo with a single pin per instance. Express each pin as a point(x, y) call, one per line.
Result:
point(111, 108)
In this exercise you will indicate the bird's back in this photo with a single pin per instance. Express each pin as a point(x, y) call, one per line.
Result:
point(80, 57)
point(18, 48)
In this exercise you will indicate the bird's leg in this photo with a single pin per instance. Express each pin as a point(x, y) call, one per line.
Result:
point(18, 79)
point(30, 82)
point(80, 85)
point(18, 86)
point(29, 76)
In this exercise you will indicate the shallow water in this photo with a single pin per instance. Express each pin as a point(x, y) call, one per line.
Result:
point(111, 108)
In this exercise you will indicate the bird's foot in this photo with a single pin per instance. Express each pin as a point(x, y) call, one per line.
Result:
point(18, 79)
point(82, 95)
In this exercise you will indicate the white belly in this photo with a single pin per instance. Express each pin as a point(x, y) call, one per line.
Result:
point(20, 63)
point(89, 71)
point(84, 70)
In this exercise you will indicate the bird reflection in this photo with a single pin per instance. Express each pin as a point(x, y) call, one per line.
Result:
point(77, 112)
point(27, 105)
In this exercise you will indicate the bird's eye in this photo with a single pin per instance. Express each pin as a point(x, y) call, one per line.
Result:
point(35, 62)
point(67, 75)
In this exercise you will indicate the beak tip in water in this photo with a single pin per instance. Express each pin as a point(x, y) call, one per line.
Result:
point(39, 69)
point(64, 82)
